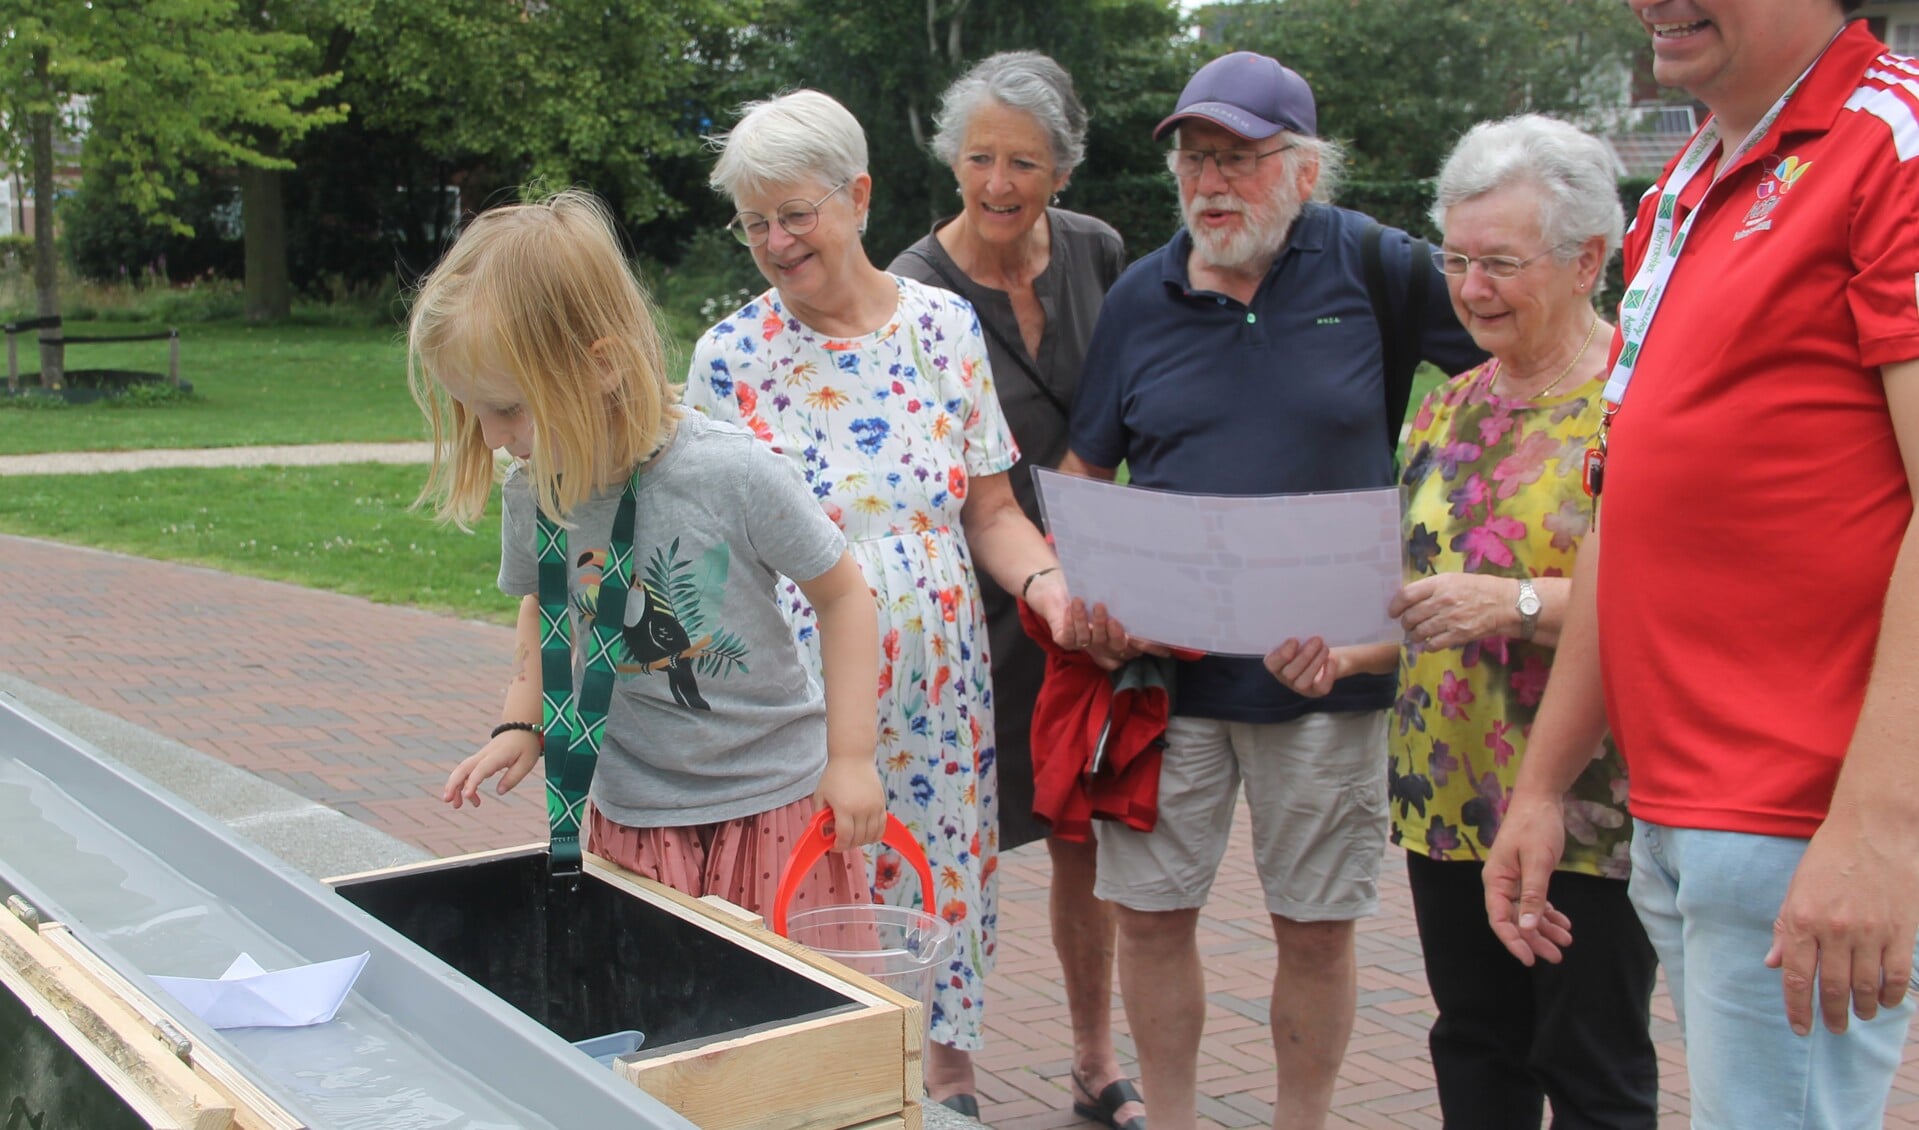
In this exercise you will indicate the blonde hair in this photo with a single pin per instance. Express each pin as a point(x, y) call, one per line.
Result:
point(539, 293)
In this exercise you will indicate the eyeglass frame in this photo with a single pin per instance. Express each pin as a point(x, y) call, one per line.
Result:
point(739, 225)
point(1173, 157)
point(1442, 257)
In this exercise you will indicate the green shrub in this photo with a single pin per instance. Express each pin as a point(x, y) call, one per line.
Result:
point(16, 253)
point(714, 277)
point(151, 394)
point(338, 301)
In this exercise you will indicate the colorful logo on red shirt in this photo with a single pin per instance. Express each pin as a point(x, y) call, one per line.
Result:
point(1774, 186)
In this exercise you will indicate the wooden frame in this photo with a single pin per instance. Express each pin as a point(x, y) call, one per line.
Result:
point(853, 1068)
point(122, 1038)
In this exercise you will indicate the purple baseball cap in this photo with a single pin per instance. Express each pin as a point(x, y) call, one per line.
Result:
point(1252, 95)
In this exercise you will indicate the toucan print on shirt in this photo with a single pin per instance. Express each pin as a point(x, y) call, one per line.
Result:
point(670, 624)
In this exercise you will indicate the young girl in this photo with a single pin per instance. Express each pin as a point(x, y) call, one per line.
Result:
point(532, 336)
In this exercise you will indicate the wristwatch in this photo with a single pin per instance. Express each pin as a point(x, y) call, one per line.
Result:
point(1528, 606)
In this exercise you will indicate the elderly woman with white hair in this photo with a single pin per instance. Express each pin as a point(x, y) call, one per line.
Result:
point(879, 390)
point(1495, 512)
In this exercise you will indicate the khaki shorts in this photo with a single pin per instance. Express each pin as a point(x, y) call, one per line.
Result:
point(1317, 791)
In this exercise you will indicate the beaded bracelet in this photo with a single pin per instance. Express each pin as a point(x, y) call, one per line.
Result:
point(533, 728)
point(1034, 576)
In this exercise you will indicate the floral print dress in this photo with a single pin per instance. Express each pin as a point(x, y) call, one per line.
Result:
point(887, 429)
point(1493, 486)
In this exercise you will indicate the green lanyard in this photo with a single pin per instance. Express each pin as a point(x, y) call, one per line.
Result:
point(575, 720)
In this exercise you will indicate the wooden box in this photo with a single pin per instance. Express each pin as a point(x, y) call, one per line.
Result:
point(743, 1028)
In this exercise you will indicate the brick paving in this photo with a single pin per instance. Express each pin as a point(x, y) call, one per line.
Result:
point(365, 707)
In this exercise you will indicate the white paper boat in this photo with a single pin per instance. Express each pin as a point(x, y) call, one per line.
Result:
point(247, 996)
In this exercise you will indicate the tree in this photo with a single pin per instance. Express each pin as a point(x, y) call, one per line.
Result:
point(1125, 57)
point(602, 93)
point(1401, 80)
point(168, 83)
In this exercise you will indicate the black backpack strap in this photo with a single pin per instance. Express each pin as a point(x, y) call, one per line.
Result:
point(1399, 336)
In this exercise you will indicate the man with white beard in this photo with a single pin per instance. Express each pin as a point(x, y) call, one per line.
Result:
point(1244, 357)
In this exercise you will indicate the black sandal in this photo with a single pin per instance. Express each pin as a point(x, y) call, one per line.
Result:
point(1116, 1095)
point(966, 1104)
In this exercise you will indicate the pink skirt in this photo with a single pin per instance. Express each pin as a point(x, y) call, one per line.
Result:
point(738, 860)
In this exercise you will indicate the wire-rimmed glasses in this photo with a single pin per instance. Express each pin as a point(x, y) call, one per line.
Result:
point(796, 217)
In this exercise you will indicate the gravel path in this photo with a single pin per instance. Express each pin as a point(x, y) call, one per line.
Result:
point(304, 455)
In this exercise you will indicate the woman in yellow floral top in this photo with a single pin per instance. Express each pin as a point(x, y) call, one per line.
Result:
point(1495, 512)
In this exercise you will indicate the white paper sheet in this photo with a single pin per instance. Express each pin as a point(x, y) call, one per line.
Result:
point(1229, 575)
point(247, 996)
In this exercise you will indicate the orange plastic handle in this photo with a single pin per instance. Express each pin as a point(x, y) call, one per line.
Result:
point(814, 843)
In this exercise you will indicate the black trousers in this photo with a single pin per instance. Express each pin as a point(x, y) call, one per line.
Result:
point(1509, 1038)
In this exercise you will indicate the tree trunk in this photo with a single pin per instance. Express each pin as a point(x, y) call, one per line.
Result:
point(263, 214)
point(46, 257)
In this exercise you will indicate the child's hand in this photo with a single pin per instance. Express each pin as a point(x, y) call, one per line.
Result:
point(858, 802)
point(515, 752)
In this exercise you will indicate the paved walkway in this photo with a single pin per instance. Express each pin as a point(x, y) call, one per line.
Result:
point(301, 455)
point(364, 708)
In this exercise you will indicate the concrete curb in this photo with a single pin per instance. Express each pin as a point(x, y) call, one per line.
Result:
point(310, 836)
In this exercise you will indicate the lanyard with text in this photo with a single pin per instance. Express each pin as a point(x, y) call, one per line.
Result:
point(1649, 283)
point(575, 720)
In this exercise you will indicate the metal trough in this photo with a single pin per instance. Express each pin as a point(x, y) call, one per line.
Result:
point(151, 886)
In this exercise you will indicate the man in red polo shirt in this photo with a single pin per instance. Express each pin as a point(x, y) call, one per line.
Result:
point(1751, 627)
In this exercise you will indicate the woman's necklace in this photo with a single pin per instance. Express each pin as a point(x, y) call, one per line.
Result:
point(1583, 346)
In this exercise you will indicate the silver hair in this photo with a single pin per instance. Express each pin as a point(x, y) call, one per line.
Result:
point(1330, 155)
point(1026, 81)
point(1576, 174)
point(786, 139)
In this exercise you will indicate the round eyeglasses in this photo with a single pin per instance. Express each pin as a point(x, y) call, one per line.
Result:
point(796, 217)
point(1495, 266)
point(1231, 163)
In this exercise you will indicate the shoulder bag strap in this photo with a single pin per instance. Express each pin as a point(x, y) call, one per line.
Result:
point(1016, 352)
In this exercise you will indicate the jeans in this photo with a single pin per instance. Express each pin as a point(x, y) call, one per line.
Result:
point(1708, 900)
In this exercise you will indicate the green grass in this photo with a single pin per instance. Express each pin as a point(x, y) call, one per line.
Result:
point(251, 384)
point(344, 528)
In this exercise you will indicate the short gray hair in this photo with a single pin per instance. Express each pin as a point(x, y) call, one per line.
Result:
point(1576, 174)
point(1026, 81)
point(788, 138)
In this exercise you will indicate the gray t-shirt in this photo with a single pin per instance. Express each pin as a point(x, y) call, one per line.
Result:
point(714, 716)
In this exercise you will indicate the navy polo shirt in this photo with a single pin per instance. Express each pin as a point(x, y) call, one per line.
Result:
point(1198, 392)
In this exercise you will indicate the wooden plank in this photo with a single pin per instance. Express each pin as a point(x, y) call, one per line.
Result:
point(912, 1037)
point(52, 1075)
point(253, 1110)
point(444, 863)
point(890, 1122)
point(822, 1074)
point(756, 937)
point(106, 1036)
